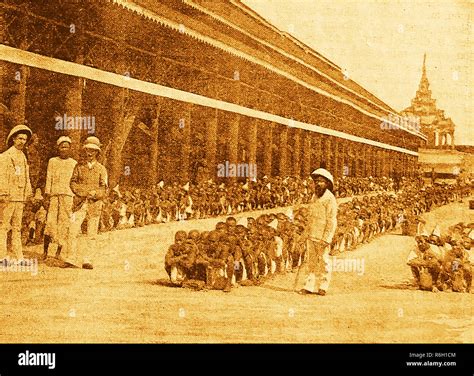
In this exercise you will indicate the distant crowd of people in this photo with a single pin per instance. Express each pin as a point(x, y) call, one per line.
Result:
point(171, 202)
point(362, 219)
point(136, 207)
point(349, 186)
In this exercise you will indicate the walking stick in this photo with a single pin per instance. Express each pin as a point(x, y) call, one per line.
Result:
point(299, 268)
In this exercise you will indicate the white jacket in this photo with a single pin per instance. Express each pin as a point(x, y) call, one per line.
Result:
point(58, 176)
point(15, 182)
point(322, 217)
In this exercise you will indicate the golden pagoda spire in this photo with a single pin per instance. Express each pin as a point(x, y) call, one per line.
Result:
point(424, 84)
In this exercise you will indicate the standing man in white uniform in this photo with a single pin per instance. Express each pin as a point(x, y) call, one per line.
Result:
point(15, 189)
point(59, 195)
point(89, 185)
point(322, 225)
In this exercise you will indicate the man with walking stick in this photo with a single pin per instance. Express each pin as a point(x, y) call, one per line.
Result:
point(15, 190)
point(322, 223)
point(89, 184)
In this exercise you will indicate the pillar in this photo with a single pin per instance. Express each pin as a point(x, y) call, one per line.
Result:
point(329, 152)
point(253, 129)
point(3, 110)
point(20, 74)
point(233, 135)
point(393, 162)
point(119, 118)
point(381, 162)
point(211, 142)
point(449, 138)
point(407, 164)
point(367, 164)
point(337, 165)
point(372, 161)
point(307, 150)
point(296, 168)
point(268, 148)
point(154, 145)
point(18, 101)
point(182, 119)
point(345, 168)
point(378, 162)
point(73, 108)
point(349, 155)
point(363, 162)
point(74, 94)
point(234, 122)
point(3, 72)
point(318, 158)
point(359, 152)
point(283, 148)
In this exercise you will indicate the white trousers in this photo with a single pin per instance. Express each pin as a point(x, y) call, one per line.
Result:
point(11, 214)
point(318, 267)
point(80, 255)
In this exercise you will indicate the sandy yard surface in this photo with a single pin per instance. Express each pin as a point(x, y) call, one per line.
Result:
point(126, 298)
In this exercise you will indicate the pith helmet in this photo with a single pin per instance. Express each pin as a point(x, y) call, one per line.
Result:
point(324, 173)
point(92, 142)
point(19, 129)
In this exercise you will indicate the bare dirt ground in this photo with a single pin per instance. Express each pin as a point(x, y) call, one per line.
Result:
point(125, 299)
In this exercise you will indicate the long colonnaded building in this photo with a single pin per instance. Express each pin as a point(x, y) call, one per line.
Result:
point(171, 86)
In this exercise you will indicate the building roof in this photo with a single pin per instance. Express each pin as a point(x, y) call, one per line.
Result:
point(238, 30)
point(244, 15)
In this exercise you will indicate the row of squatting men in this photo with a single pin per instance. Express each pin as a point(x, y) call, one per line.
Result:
point(443, 263)
point(250, 250)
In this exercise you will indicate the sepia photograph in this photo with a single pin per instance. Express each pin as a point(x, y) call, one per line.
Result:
point(237, 172)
